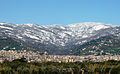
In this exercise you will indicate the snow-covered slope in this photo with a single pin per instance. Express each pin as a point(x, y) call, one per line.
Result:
point(55, 35)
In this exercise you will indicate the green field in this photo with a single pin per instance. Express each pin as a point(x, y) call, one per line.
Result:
point(20, 66)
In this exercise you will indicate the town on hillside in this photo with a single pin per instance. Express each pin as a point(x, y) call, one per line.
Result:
point(32, 56)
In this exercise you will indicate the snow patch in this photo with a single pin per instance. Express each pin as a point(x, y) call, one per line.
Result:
point(31, 36)
point(84, 36)
point(98, 27)
point(6, 27)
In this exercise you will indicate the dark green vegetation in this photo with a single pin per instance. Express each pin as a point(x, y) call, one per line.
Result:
point(10, 44)
point(106, 44)
point(20, 66)
point(7, 43)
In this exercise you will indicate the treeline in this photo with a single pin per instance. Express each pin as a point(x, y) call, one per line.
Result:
point(21, 66)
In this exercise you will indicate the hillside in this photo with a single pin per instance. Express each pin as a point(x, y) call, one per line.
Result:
point(103, 46)
point(56, 39)
point(7, 43)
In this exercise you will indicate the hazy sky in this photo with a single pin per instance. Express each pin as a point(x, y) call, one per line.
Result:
point(45, 12)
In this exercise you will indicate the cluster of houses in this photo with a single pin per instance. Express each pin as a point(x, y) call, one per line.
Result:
point(37, 57)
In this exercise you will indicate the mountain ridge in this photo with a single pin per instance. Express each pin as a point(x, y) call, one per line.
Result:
point(55, 37)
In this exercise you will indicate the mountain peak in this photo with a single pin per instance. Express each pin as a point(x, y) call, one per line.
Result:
point(29, 24)
point(94, 25)
point(2, 23)
point(87, 24)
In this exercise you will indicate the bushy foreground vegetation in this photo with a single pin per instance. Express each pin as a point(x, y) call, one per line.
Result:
point(20, 66)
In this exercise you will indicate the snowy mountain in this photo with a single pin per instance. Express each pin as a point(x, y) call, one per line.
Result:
point(55, 38)
point(109, 44)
